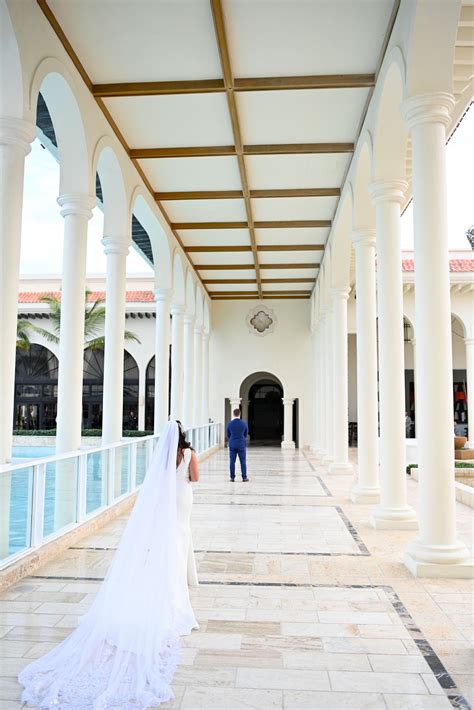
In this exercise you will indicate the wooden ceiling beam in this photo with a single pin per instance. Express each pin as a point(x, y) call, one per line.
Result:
point(276, 224)
point(211, 151)
point(272, 296)
point(290, 266)
point(288, 281)
point(210, 86)
point(216, 282)
point(254, 194)
point(250, 267)
point(260, 247)
point(223, 47)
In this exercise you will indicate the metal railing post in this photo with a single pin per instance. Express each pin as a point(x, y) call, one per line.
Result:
point(37, 504)
point(81, 497)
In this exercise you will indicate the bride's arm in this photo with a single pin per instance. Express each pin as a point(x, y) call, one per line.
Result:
point(194, 467)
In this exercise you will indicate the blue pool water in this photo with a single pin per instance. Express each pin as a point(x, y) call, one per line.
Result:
point(21, 489)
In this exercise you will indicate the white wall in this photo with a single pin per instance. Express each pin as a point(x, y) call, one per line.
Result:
point(236, 353)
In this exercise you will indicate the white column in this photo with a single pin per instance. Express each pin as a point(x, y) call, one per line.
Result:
point(323, 389)
point(437, 551)
point(162, 354)
point(340, 383)
point(329, 388)
point(316, 392)
point(197, 375)
point(76, 210)
point(393, 511)
point(288, 442)
point(177, 362)
point(469, 343)
point(188, 385)
point(366, 490)
point(15, 138)
point(205, 377)
point(116, 251)
point(141, 397)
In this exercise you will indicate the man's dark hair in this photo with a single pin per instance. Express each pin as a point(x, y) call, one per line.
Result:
point(236, 412)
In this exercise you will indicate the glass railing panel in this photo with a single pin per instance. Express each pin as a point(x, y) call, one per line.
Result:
point(16, 499)
point(60, 494)
point(142, 461)
point(122, 470)
point(96, 480)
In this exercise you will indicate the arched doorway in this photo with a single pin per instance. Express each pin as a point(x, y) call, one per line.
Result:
point(93, 388)
point(261, 403)
point(36, 388)
point(150, 393)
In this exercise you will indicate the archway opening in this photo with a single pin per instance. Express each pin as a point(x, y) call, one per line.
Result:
point(36, 388)
point(262, 406)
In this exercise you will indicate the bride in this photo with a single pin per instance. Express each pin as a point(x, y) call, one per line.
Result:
point(125, 650)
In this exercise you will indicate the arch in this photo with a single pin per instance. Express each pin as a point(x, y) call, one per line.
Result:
point(52, 79)
point(262, 406)
point(36, 380)
point(341, 245)
point(11, 75)
point(390, 132)
point(114, 198)
point(363, 215)
point(190, 294)
point(460, 320)
point(159, 242)
point(179, 286)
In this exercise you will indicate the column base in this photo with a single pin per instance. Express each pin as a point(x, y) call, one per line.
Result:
point(394, 518)
point(315, 450)
point(446, 561)
point(340, 468)
point(288, 445)
point(327, 459)
point(365, 495)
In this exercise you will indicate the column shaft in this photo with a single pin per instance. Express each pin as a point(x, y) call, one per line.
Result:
point(366, 489)
point(340, 384)
point(162, 354)
point(288, 442)
point(177, 362)
point(112, 413)
point(329, 388)
point(197, 375)
point(188, 385)
point(436, 552)
point(393, 511)
point(76, 210)
point(205, 377)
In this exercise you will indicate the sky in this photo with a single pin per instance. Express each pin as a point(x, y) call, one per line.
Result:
point(42, 229)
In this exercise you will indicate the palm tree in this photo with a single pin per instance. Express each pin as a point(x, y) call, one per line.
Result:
point(23, 328)
point(94, 322)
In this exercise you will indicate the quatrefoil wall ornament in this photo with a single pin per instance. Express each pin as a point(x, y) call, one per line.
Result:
point(261, 320)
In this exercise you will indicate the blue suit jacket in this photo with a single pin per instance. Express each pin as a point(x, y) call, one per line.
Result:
point(237, 431)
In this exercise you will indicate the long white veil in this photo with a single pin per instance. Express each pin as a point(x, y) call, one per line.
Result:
point(125, 650)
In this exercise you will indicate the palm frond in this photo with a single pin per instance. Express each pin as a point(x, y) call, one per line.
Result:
point(95, 343)
point(131, 336)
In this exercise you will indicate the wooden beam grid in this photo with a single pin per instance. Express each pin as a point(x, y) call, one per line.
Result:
point(254, 194)
point(211, 151)
point(275, 224)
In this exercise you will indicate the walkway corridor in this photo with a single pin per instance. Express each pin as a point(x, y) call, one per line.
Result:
point(301, 603)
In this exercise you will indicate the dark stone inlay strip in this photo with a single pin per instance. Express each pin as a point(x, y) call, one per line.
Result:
point(355, 535)
point(247, 552)
point(324, 487)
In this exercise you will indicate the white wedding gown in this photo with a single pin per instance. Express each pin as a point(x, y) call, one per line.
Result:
point(124, 652)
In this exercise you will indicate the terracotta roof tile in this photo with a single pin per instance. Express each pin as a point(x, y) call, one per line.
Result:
point(457, 265)
point(131, 296)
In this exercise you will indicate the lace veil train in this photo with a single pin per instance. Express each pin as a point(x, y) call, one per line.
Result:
point(124, 652)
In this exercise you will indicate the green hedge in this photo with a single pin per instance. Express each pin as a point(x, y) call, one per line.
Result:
point(457, 464)
point(84, 432)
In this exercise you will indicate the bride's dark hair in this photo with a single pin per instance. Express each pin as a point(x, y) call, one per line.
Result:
point(183, 443)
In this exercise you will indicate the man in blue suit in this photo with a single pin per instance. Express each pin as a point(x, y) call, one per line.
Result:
point(237, 431)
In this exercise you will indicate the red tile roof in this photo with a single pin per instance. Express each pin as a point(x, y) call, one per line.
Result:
point(465, 265)
point(131, 296)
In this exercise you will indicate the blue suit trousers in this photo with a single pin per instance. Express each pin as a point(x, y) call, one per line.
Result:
point(241, 452)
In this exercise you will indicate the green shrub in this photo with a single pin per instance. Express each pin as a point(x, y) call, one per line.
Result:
point(84, 432)
point(457, 464)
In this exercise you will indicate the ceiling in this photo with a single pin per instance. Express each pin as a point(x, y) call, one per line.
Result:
point(241, 118)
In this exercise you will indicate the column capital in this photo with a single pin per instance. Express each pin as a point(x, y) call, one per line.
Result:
point(341, 294)
point(76, 204)
point(189, 318)
point(435, 107)
point(287, 401)
point(468, 341)
point(387, 191)
point(363, 237)
point(235, 401)
point(17, 132)
point(205, 334)
point(112, 245)
point(198, 328)
point(163, 294)
point(177, 309)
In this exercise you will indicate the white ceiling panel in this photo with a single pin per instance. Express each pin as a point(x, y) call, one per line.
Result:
point(268, 172)
point(172, 121)
point(289, 257)
point(288, 273)
point(214, 237)
point(294, 208)
point(176, 174)
point(228, 257)
point(149, 40)
point(212, 288)
point(296, 37)
point(228, 273)
point(288, 287)
point(317, 116)
point(304, 235)
point(206, 210)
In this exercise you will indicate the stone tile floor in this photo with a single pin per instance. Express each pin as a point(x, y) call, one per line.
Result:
point(301, 603)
